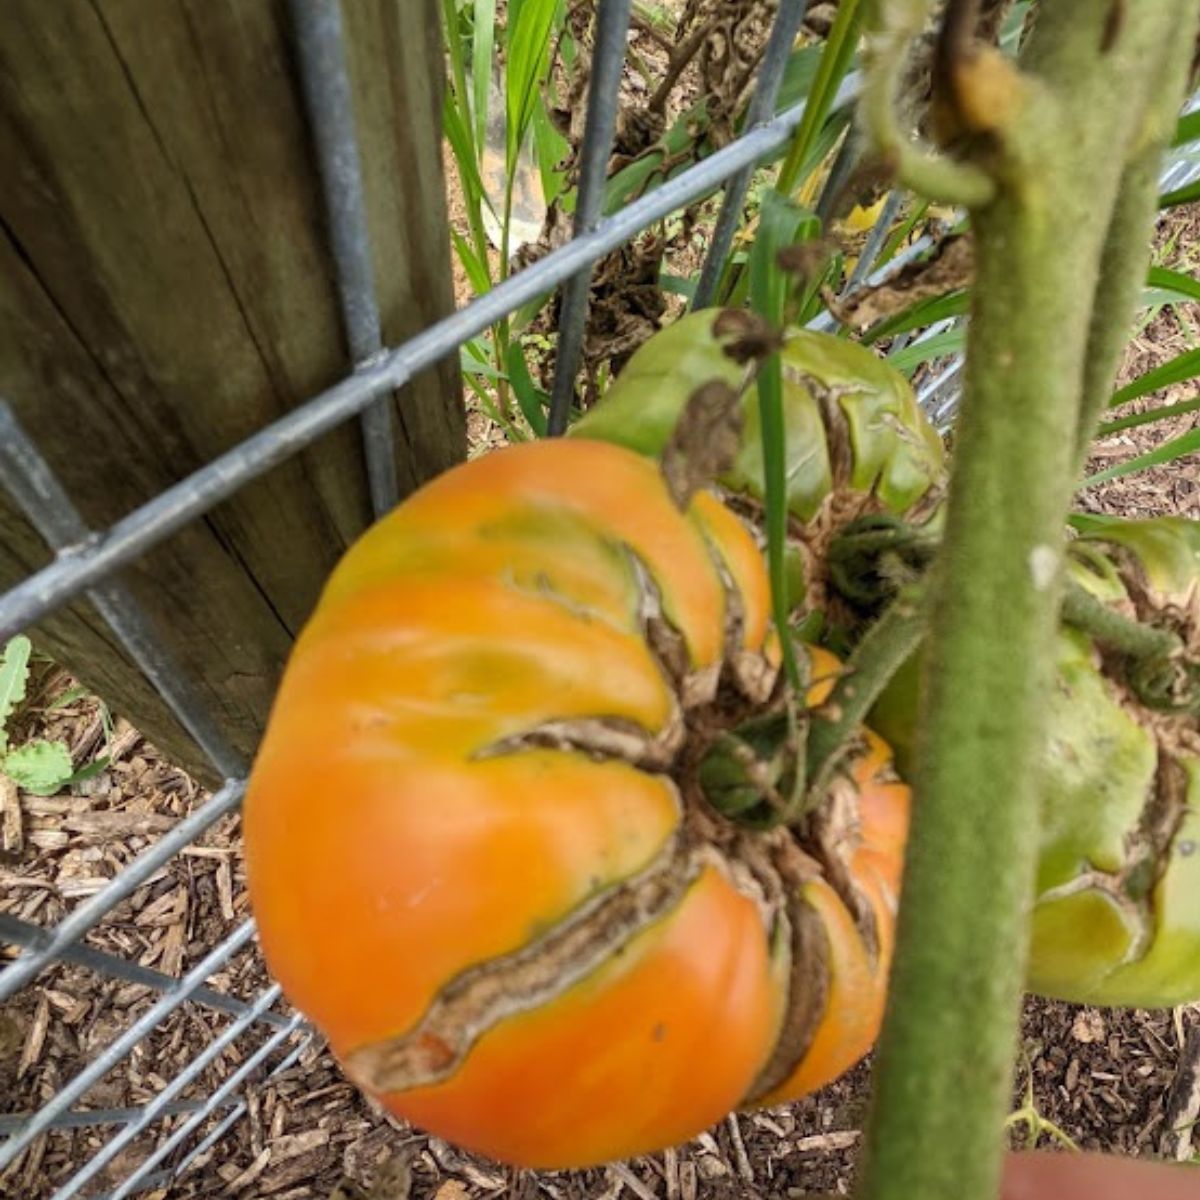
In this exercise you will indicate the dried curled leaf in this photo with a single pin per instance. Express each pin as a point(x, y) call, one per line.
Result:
point(705, 442)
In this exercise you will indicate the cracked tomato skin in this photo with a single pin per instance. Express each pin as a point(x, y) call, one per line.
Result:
point(392, 849)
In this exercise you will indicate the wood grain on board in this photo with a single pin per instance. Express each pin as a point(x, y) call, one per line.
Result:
point(166, 290)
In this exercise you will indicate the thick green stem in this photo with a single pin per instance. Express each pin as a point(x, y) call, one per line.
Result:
point(1127, 247)
point(1057, 154)
point(1084, 611)
point(883, 650)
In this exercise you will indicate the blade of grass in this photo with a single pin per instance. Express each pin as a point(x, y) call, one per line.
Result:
point(902, 232)
point(484, 36)
point(529, 31)
point(482, 370)
point(549, 149)
point(1187, 443)
point(1188, 129)
point(769, 288)
point(1149, 417)
point(463, 148)
point(836, 58)
point(798, 76)
point(924, 312)
point(532, 401)
point(477, 272)
point(735, 285)
point(452, 32)
point(456, 124)
point(530, 28)
point(916, 353)
point(1183, 195)
point(1180, 368)
point(488, 405)
point(1177, 282)
point(14, 670)
point(956, 304)
point(677, 285)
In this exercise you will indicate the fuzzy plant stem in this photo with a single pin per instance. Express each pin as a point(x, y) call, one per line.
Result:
point(883, 650)
point(1107, 626)
point(1054, 138)
point(1127, 247)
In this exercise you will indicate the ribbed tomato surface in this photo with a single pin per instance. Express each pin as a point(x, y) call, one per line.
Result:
point(477, 854)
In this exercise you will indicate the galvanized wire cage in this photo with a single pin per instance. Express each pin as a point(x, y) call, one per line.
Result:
point(182, 1121)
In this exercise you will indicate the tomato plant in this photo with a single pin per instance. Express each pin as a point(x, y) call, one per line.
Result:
point(1117, 918)
point(479, 850)
point(1117, 914)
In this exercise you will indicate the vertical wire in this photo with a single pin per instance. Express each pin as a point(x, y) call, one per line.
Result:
point(612, 30)
point(321, 51)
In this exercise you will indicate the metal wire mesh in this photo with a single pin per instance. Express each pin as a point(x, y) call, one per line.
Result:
point(87, 562)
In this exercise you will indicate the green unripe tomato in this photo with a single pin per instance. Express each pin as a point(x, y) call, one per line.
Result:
point(1116, 919)
point(847, 412)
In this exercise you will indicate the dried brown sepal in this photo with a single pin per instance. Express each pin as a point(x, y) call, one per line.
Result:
point(705, 442)
point(950, 268)
point(752, 337)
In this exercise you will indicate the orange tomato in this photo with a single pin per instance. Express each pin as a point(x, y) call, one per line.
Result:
point(477, 852)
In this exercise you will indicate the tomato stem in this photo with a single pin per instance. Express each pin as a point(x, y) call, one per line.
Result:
point(1161, 674)
point(882, 651)
point(1054, 138)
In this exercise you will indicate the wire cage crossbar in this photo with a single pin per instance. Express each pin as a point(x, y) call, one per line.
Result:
point(87, 562)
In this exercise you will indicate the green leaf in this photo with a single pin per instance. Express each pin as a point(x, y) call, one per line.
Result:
point(476, 269)
point(14, 671)
point(532, 400)
point(1092, 522)
point(1183, 195)
point(686, 141)
point(42, 768)
point(1181, 367)
point(902, 232)
point(90, 771)
point(1188, 129)
point(529, 30)
point(1176, 282)
point(677, 285)
point(510, 430)
point(1149, 417)
point(836, 57)
point(798, 74)
point(462, 145)
point(1187, 443)
point(950, 341)
point(473, 366)
point(956, 304)
point(779, 222)
point(68, 697)
point(921, 314)
point(484, 35)
point(550, 147)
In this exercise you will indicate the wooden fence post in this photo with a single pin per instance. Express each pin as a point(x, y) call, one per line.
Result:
point(166, 289)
